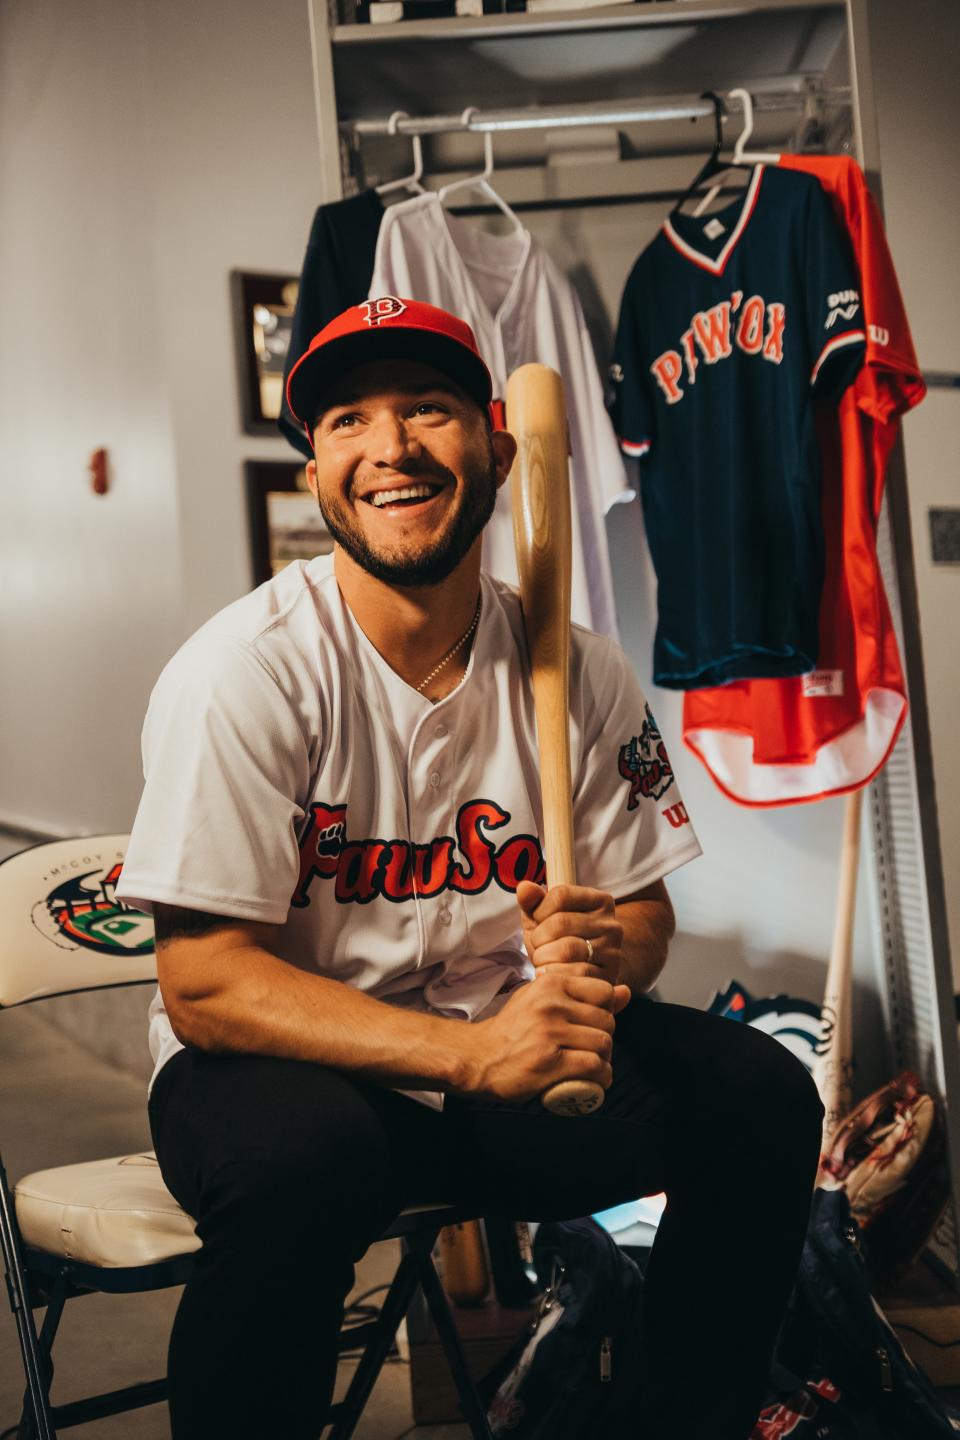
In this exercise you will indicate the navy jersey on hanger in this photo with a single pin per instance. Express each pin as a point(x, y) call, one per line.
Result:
point(730, 323)
point(336, 273)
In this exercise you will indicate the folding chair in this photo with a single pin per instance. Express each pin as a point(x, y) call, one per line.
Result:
point(111, 1225)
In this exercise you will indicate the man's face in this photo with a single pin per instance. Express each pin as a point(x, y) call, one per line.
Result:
point(406, 471)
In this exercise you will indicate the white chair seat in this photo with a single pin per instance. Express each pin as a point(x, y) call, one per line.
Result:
point(113, 1213)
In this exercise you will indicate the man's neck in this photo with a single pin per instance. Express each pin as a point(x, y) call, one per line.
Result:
point(413, 628)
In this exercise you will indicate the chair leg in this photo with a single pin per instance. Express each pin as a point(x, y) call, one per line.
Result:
point(392, 1311)
point(473, 1409)
point(37, 1398)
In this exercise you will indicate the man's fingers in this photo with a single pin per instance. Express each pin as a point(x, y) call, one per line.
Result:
point(594, 972)
point(529, 897)
point(592, 992)
point(570, 898)
point(584, 1065)
point(598, 927)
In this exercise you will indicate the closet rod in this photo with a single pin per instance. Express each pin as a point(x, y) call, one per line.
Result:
point(624, 112)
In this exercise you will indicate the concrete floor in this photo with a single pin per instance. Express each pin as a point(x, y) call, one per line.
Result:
point(60, 1104)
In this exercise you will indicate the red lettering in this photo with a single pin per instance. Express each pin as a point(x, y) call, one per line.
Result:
point(750, 328)
point(358, 871)
point(677, 815)
point(712, 329)
point(320, 848)
point(398, 872)
point(666, 370)
point(690, 355)
point(735, 300)
point(474, 847)
point(773, 345)
point(437, 859)
point(520, 859)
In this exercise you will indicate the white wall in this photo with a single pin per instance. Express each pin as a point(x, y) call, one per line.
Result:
point(145, 151)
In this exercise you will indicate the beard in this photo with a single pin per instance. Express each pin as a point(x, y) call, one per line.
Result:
point(435, 560)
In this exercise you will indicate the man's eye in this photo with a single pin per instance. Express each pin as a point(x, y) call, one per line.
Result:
point(342, 421)
point(429, 407)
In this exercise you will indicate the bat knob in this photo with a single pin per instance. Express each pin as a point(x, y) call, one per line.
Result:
point(573, 1097)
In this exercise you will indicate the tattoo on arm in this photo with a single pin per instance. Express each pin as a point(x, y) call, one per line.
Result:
point(172, 922)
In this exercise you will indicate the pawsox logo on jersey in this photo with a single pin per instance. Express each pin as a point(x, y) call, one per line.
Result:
point(755, 326)
point(643, 761)
point(398, 870)
point(85, 911)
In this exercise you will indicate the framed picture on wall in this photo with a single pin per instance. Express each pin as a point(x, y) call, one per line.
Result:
point(285, 520)
point(263, 307)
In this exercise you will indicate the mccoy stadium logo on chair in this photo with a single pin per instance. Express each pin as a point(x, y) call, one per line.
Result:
point(83, 911)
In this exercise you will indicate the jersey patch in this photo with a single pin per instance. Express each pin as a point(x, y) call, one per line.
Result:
point(644, 763)
point(398, 870)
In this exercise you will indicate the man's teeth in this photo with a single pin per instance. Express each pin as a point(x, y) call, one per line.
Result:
point(409, 492)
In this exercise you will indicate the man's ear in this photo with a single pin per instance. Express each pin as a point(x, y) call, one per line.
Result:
point(311, 471)
point(504, 452)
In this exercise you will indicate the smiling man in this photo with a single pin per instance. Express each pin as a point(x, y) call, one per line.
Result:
point(339, 839)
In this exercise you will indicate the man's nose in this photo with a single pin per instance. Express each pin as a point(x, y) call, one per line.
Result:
point(391, 440)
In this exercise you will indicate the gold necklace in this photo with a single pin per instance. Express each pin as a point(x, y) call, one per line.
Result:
point(450, 653)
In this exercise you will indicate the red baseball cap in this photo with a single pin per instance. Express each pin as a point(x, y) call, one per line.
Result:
point(387, 328)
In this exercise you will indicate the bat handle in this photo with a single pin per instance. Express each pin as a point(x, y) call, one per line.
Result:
point(569, 1097)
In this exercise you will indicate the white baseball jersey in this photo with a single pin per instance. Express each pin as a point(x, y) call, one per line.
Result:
point(293, 778)
point(522, 308)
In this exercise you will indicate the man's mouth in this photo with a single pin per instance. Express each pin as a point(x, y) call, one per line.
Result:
point(404, 495)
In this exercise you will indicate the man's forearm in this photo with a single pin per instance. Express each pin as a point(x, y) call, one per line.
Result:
point(648, 927)
point(251, 1002)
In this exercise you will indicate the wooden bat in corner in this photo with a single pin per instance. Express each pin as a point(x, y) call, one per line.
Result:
point(540, 483)
point(833, 1063)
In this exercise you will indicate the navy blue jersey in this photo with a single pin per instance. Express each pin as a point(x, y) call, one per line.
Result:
point(730, 324)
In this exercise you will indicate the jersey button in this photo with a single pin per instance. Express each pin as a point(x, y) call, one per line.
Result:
point(441, 729)
point(435, 779)
point(444, 915)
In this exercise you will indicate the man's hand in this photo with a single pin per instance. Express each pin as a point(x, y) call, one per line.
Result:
point(558, 1028)
point(557, 924)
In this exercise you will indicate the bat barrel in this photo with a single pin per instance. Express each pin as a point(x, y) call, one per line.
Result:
point(540, 485)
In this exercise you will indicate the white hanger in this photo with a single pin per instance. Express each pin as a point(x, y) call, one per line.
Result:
point(740, 155)
point(405, 182)
point(482, 181)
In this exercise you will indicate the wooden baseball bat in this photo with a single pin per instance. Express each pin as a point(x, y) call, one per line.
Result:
point(833, 1063)
point(540, 484)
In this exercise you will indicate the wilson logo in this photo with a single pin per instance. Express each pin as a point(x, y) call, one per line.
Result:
point(677, 815)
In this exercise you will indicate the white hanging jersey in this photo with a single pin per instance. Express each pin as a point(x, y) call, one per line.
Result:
point(522, 308)
point(293, 778)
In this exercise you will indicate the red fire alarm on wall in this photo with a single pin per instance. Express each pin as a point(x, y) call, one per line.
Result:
point(99, 482)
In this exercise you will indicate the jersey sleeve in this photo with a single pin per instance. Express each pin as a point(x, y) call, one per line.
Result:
point(224, 760)
point(630, 822)
point(834, 308)
point(891, 382)
point(631, 409)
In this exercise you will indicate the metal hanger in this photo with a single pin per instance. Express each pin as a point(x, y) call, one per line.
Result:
point(405, 182)
point(481, 182)
point(740, 155)
point(713, 165)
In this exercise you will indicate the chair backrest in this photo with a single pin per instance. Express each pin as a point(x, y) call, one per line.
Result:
point(62, 929)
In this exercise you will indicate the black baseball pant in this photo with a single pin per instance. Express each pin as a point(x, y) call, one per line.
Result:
point(292, 1170)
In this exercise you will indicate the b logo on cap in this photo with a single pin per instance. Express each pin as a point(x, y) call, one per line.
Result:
point(386, 308)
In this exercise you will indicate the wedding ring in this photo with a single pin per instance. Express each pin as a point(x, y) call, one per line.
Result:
point(589, 945)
